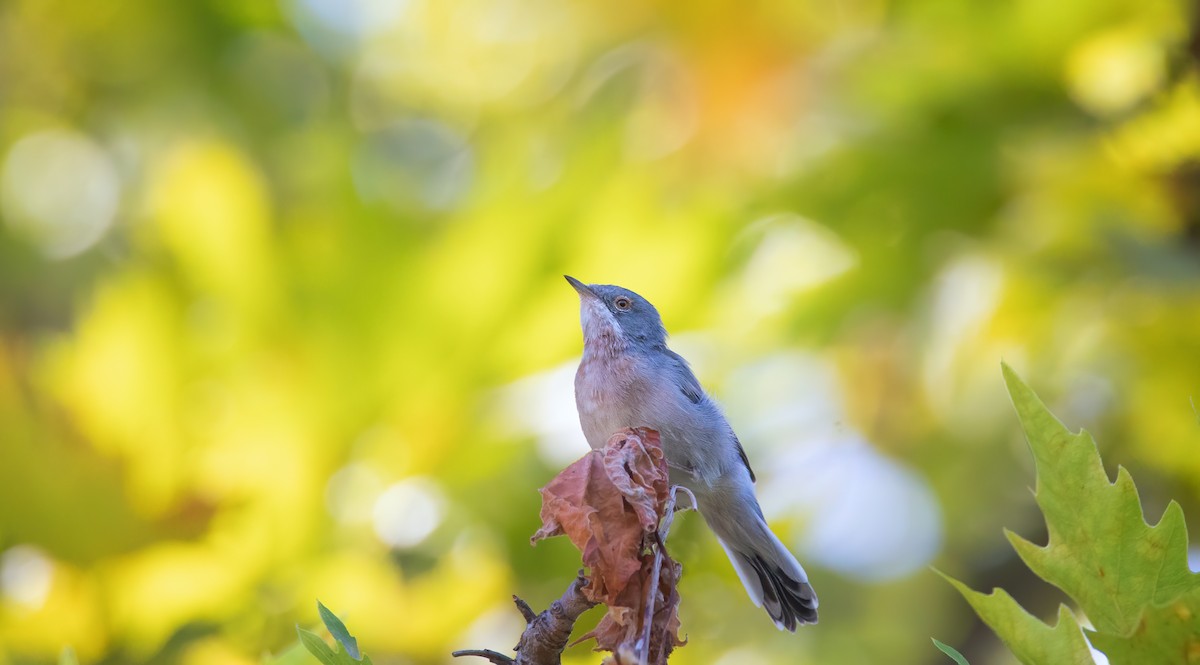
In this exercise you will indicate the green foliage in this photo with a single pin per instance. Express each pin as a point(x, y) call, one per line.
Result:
point(1032, 641)
point(1164, 633)
point(951, 651)
point(345, 651)
point(338, 630)
point(1130, 579)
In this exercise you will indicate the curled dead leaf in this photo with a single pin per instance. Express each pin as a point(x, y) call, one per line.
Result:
point(609, 504)
point(623, 622)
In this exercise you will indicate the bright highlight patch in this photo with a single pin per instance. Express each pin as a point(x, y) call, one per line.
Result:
point(25, 576)
point(60, 190)
point(794, 254)
point(1113, 70)
point(407, 512)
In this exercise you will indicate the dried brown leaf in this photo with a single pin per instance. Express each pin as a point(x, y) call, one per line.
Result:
point(606, 503)
point(623, 623)
point(637, 467)
point(610, 503)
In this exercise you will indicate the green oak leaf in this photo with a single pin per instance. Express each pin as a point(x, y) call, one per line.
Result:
point(1130, 579)
point(1167, 633)
point(1101, 551)
point(1030, 640)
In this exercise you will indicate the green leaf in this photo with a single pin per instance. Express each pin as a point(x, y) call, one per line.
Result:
point(950, 651)
point(1030, 640)
point(317, 646)
point(324, 653)
point(1131, 579)
point(339, 632)
point(1100, 550)
point(1166, 634)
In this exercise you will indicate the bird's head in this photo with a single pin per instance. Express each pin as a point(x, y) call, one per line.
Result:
point(619, 314)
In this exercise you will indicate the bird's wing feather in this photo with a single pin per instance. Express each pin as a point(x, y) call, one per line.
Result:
point(742, 454)
point(690, 387)
point(685, 379)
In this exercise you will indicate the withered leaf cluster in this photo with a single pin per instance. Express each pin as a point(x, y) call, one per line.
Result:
point(610, 504)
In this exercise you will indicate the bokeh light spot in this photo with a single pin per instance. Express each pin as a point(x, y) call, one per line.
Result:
point(872, 518)
point(25, 576)
point(793, 255)
point(1113, 70)
point(543, 405)
point(408, 511)
point(60, 190)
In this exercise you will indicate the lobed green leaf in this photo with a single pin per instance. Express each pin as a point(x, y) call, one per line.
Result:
point(1030, 640)
point(1131, 579)
point(1165, 634)
point(1100, 550)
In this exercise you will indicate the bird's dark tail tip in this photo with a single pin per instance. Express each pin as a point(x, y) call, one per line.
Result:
point(789, 601)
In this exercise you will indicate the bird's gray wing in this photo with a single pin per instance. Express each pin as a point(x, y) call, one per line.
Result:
point(685, 379)
point(690, 387)
point(742, 454)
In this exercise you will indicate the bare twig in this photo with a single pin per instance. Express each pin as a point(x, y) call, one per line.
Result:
point(493, 656)
point(643, 644)
point(526, 610)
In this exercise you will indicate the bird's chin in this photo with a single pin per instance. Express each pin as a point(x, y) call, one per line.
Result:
point(597, 321)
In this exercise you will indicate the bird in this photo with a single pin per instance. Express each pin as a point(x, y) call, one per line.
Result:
point(628, 378)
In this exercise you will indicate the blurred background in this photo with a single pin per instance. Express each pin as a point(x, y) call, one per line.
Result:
point(283, 318)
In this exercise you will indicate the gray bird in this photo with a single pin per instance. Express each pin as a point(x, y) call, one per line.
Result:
point(629, 378)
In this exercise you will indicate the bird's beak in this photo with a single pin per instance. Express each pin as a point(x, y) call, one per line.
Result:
point(582, 288)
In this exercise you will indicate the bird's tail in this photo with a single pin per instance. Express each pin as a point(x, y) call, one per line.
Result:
point(771, 575)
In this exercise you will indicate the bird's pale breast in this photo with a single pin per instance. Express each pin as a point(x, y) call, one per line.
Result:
point(605, 388)
point(615, 391)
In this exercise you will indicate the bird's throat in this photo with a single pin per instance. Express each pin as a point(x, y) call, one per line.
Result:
point(605, 343)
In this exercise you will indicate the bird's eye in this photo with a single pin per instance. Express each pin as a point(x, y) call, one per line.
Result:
point(623, 303)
